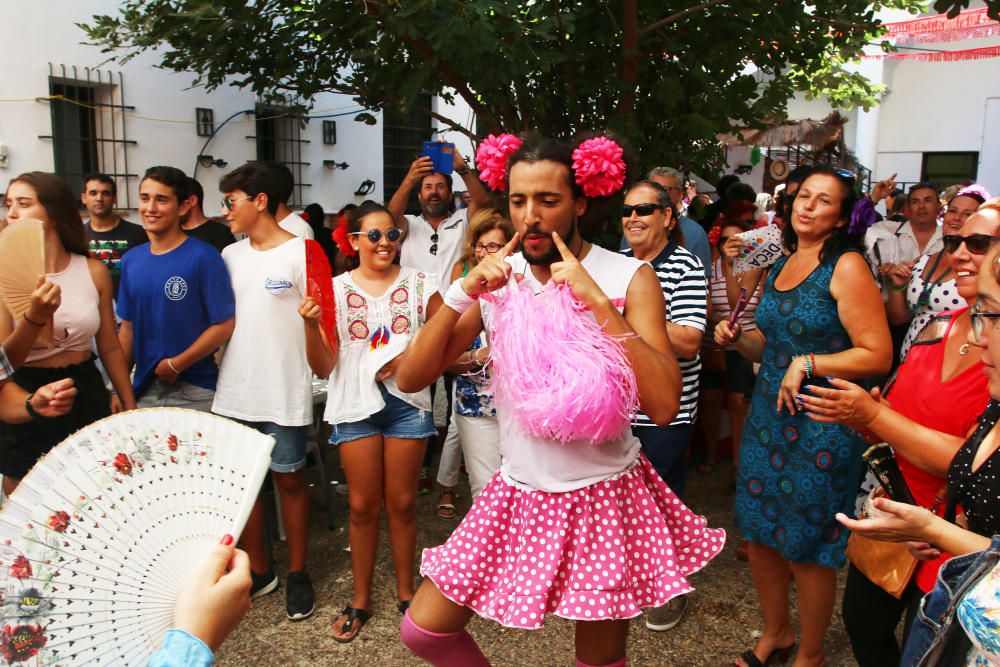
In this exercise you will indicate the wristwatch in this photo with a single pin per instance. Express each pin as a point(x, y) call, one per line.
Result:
point(30, 410)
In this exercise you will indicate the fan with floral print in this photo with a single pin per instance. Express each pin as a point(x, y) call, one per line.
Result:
point(100, 537)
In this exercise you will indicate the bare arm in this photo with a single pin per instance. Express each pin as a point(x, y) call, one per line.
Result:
point(210, 340)
point(446, 333)
point(477, 192)
point(908, 523)
point(895, 306)
point(125, 341)
point(20, 337)
point(863, 317)
point(849, 404)
point(108, 347)
point(397, 205)
point(685, 340)
point(750, 344)
point(320, 353)
point(51, 400)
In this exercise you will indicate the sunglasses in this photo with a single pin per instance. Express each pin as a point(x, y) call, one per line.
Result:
point(843, 173)
point(489, 248)
point(641, 210)
point(375, 235)
point(434, 244)
point(978, 244)
point(979, 319)
point(228, 202)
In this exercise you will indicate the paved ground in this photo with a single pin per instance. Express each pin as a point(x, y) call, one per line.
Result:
point(720, 622)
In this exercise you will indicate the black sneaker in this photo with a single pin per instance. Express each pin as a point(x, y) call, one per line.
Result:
point(300, 601)
point(262, 584)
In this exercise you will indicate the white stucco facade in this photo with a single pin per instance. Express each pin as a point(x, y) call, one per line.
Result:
point(928, 107)
point(162, 122)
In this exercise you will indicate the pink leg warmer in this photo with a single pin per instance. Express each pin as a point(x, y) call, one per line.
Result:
point(442, 649)
point(620, 662)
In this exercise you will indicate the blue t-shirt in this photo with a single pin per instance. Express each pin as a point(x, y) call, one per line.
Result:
point(171, 299)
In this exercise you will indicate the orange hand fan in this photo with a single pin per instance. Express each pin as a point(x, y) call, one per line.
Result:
point(22, 256)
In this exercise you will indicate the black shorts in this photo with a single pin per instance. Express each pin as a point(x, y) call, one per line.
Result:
point(737, 377)
point(21, 445)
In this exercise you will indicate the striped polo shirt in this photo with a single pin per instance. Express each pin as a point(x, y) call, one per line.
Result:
point(685, 289)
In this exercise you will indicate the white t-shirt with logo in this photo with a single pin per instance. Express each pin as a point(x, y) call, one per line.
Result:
point(294, 224)
point(265, 376)
point(416, 249)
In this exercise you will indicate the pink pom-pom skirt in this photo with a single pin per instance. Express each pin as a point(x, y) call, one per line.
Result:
point(602, 552)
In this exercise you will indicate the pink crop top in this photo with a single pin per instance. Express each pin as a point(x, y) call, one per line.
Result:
point(78, 317)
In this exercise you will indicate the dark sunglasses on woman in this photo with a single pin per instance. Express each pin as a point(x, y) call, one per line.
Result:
point(978, 244)
point(375, 235)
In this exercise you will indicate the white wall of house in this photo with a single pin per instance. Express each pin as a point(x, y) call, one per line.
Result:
point(928, 107)
point(162, 122)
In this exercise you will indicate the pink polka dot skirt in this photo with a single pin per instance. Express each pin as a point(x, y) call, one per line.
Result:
point(603, 552)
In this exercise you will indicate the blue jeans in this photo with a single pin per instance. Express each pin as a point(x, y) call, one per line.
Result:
point(936, 638)
point(666, 448)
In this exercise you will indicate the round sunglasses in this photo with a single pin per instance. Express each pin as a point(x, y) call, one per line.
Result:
point(375, 235)
point(978, 244)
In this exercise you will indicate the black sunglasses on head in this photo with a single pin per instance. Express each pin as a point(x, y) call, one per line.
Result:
point(375, 235)
point(978, 244)
point(641, 210)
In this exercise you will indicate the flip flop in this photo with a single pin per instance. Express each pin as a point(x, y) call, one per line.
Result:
point(353, 615)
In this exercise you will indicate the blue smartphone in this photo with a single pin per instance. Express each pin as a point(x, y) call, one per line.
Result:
point(442, 154)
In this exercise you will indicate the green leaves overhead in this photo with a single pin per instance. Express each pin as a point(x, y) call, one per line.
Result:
point(668, 74)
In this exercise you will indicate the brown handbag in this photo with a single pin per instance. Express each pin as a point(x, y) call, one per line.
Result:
point(888, 565)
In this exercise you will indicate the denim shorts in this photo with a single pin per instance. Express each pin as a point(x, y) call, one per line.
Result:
point(398, 419)
point(289, 453)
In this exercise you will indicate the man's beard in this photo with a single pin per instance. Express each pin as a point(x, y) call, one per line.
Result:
point(435, 210)
point(552, 255)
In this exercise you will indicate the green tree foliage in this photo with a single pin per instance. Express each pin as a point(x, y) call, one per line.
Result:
point(667, 74)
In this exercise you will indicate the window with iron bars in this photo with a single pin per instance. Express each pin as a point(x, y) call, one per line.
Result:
point(279, 138)
point(88, 127)
point(403, 137)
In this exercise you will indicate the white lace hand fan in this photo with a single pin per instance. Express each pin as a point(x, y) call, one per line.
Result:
point(22, 256)
point(101, 536)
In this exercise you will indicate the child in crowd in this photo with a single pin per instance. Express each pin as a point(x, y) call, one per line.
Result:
point(381, 431)
point(265, 381)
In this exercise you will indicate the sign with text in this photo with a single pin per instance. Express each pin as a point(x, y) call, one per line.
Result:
point(762, 249)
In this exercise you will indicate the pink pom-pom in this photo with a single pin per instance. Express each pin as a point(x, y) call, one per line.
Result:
point(599, 167)
point(556, 369)
point(975, 189)
point(491, 158)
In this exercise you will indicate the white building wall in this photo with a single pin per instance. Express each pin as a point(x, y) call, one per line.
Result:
point(162, 122)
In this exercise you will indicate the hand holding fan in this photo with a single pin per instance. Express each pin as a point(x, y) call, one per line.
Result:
point(762, 248)
point(22, 256)
point(319, 279)
point(100, 538)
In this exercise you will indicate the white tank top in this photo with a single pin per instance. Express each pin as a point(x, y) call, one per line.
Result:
point(548, 465)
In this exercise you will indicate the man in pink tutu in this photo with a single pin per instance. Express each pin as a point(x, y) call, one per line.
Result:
point(574, 524)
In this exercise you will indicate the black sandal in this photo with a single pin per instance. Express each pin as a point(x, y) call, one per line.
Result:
point(403, 606)
point(353, 614)
point(779, 656)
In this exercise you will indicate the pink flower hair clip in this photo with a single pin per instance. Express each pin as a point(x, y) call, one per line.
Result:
point(599, 167)
point(491, 158)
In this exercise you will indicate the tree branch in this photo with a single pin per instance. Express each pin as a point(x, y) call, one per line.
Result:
point(673, 18)
point(367, 94)
point(426, 51)
point(630, 56)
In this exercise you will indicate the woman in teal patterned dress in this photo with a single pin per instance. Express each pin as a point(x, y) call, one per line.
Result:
point(821, 315)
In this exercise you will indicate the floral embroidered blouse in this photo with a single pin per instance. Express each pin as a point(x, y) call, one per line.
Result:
point(372, 332)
